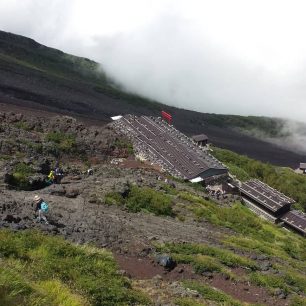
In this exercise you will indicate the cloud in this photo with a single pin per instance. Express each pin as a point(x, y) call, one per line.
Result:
point(169, 61)
point(293, 139)
point(211, 56)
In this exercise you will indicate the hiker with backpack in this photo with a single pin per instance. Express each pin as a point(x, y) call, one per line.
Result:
point(42, 208)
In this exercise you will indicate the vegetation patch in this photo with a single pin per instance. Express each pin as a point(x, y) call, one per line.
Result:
point(269, 281)
point(61, 142)
point(298, 301)
point(143, 199)
point(114, 198)
point(123, 144)
point(255, 233)
point(23, 125)
point(169, 189)
point(5, 157)
point(223, 256)
point(21, 174)
point(211, 294)
point(237, 217)
point(41, 270)
point(188, 302)
point(278, 247)
point(293, 278)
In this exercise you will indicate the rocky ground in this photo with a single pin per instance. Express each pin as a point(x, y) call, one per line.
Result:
point(130, 236)
point(79, 213)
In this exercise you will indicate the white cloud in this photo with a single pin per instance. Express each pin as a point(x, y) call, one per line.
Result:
point(240, 57)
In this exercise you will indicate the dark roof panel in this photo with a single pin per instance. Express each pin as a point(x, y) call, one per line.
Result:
point(302, 166)
point(201, 137)
point(296, 219)
point(265, 195)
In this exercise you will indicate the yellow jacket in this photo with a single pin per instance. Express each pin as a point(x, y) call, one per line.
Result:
point(51, 175)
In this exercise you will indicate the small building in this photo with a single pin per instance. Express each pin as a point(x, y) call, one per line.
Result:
point(201, 139)
point(265, 200)
point(303, 167)
point(295, 220)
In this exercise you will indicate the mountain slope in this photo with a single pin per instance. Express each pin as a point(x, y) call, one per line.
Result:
point(38, 77)
point(131, 209)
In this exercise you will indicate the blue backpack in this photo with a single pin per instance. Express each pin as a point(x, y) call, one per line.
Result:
point(44, 207)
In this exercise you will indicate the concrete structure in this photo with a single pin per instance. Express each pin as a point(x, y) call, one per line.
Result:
point(303, 167)
point(201, 139)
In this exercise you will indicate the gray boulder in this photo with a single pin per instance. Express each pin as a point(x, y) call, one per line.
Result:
point(166, 261)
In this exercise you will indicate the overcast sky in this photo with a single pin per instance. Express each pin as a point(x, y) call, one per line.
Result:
point(239, 57)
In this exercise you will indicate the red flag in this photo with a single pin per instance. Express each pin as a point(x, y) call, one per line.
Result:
point(166, 116)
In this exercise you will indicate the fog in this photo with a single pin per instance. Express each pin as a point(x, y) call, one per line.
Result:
point(294, 138)
point(230, 57)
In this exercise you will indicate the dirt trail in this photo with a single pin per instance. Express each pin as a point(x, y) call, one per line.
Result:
point(143, 270)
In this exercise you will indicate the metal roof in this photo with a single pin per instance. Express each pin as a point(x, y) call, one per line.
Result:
point(302, 166)
point(296, 219)
point(265, 195)
point(200, 137)
point(170, 148)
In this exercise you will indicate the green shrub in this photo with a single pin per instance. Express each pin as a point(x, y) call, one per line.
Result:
point(168, 189)
point(257, 233)
point(211, 294)
point(238, 172)
point(224, 256)
point(14, 290)
point(289, 281)
point(252, 233)
point(37, 269)
point(23, 125)
point(62, 142)
point(21, 174)
point(202, 263)
point(5, 157)
point(150, 200)
point(123, 143)
point(237, 217)
point(37, 147)
point(294, 279)
point(59, 294)
point(114, 198)
point(142, 199)
point(188, 302)
point(277, 248)
point(298, 301)
point(269, 281)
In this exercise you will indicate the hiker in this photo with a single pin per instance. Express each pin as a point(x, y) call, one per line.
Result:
point(51, 177)
point(58, 175)
point(42, 208)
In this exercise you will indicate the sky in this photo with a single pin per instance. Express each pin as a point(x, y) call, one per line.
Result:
point(232, 57)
